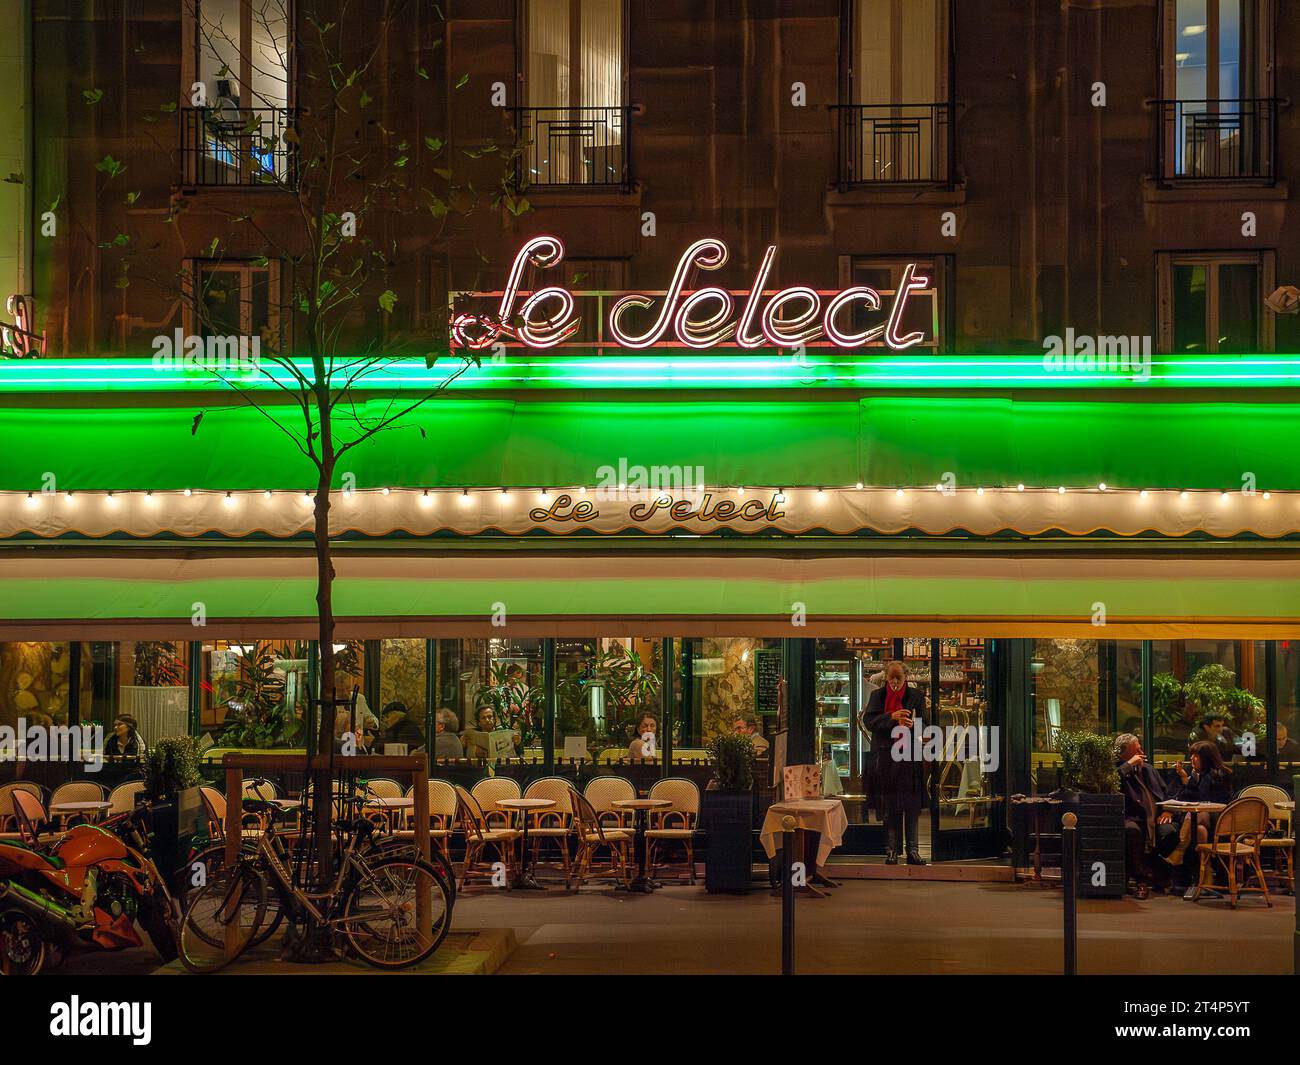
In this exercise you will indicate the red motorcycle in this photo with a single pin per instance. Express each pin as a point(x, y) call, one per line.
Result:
point(84, 891)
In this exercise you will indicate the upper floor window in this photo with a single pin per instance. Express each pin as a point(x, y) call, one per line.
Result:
point(927, 310)
point(234, 132)
point(1213, 302)
point(1218, 111)
point(895, 120)
point(574, 122)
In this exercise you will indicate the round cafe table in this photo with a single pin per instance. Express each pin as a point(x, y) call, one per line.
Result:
point(641, 807)
point(1036, 803)
point(91, 810)
point(525, 880)
point(390, 805)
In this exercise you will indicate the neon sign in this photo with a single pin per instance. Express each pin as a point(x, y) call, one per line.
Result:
point(694, 317)
point(17, 336)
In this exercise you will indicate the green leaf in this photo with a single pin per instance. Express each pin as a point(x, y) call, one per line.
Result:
point(366, 98)
point(517, 205)
point(388, 300)
point(437, 207)
point(422, 72)
point(194, 426)
point(110, 166)
point(132, 197)
point(434, 144)
point(401, 160)
point(261, 260)
point(212, 248)
point(92, 96)
point(443, 172)
point(167, 108)
point(462, 81)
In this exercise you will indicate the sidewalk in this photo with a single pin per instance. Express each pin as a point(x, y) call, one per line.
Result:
point(889, 927)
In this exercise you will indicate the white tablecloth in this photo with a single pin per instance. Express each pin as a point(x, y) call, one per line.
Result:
point(825, 816)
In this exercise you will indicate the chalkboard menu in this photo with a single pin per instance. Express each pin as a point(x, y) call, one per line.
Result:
point(767, 680)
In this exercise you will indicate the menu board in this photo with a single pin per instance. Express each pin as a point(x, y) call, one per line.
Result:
point(767, 680)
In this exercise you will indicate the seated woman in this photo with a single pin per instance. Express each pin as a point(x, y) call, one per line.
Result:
point(126, 741)
point(636, 751)
point(1209, 781)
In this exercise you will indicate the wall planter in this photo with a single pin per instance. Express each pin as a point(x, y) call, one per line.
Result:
point(175, 822)
point(1101, 840)
point(727, 819)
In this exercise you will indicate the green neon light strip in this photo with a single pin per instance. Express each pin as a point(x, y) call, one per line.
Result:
point(670, 372)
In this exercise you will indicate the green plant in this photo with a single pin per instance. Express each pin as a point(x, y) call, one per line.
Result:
point(260, 718)
point(171, 766)
point(733, 762)
point(630, 690)
point(1247, 711)
point(1166, 696)
point(514, 704)
point(1208, 689)
point(157, 665)
point(1088, 762)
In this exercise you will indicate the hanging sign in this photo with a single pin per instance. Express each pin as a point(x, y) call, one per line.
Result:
point(685, 315)
point(16, 335)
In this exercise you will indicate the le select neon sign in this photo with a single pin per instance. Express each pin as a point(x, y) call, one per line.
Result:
point(707, 317)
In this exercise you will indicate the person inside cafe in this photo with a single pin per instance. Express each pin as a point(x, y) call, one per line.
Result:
point(1149, 832)
point(647, 723)
point(1209, 780)
point(486, 720)
point(897, 782)
point(399, 727)
point(1214, 727)
point(746, 725)
point(1288, 750)
point(446, 744)
point(126, 741)
point(362, 738)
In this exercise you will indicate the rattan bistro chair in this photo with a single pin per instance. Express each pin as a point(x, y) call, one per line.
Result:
point(594, 837)
point(1235, 838)
point(442, 816)
point(601, 793)
point(479, 835)
point(675, 824)
point(554, 824)
point(487, 791)
point(75, 791)
point(123, 797)
point(1281, 836)
point(31, 822)
point(214, 808)
point(7, 804)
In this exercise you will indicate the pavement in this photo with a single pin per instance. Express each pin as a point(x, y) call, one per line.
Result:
point(864, 927)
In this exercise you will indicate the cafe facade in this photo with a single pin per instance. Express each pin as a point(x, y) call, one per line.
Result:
point(727, 432)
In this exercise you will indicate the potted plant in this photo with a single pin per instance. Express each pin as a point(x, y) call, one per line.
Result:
point(171, 783)
point(1091, 792)
point(256, 713)
point(1166, 699)
point(727, 814)
point(159, 698)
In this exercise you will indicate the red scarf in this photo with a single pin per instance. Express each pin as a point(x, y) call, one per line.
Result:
point(894, 699)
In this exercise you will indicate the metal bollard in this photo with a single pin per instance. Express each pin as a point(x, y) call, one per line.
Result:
point(787, 896)
point(1070, 882)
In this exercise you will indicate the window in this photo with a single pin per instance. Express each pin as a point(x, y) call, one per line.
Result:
point(1213, 303)
point(1065, 691)
point(926, 310)
point(233, 134)
point(1218, 76)
point(895, 125)
point(574, 123)
point(255, 693)
point(236, 299)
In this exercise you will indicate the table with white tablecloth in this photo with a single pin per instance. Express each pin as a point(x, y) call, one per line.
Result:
point(826, 817)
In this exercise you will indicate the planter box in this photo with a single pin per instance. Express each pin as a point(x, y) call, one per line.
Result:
point(175, 823)
point(728, 822)
point(1101, 839)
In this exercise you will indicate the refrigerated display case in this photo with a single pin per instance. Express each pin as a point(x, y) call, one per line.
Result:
point(836, 714)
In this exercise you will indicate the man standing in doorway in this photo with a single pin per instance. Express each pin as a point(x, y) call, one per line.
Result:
point(897, 770)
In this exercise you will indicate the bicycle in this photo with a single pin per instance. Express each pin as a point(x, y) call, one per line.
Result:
point(373, 903)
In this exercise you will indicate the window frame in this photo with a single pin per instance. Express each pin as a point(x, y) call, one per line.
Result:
point(275, 316)
point(1264, 261)
point(942, 271)
point(522, 52)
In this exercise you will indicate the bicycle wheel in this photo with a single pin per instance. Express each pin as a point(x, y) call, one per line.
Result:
point(223, 919)
point(380, 915)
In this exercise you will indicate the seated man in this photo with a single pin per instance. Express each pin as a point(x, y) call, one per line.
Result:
point(1214, 727)
point(446, 743)
point(745, 725)
point(400, 728)
point(1148, 830)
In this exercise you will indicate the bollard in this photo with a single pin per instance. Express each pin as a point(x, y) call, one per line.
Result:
point(787, 896)
point(1070, 882)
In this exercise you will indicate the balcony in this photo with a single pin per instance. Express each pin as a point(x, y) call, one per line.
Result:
point(894, 144)
point(231, 146)
point(1218, 140)
point(573, 147)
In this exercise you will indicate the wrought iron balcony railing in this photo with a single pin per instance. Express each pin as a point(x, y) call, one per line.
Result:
point(1218, 140)
point(573, 146)
point(894, 144)
point(243, 146)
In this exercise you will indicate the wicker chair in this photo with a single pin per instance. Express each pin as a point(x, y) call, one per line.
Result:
point(673, 825)
point(601, 793)
point(479, 835)
point(593, 837)
point(1235, 838)
point(7, 804)
point(383, 818)
point(123, 796)
point(554, 824)
point(1281, 837)
point(442, 816)
point(487, 791)
point(214, 806)
point(31, 822)
point(76, 791)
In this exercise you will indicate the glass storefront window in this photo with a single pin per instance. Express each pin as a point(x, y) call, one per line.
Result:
point(1286, 739)
point(1194, 680)
point(1128, 689)
point(255, 693)
point(605, 688)
point(1064, 677)
point(153, 687)
point(34, 683)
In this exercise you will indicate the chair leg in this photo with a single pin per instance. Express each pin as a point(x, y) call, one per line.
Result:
point(690, 858)
point(1263, 884)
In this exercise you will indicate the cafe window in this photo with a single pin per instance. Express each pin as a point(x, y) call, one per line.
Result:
point(1066, 691)
point(605, 687)
point(255, 693)
point(402, 676)
point(1207, 689)
point(926, 310)
point(494, 686)
point(153, 687)
point(1212, 303)
point(35, 681)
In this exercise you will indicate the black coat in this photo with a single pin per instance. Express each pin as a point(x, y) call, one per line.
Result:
point(889, 777)
point(1139, 783)
point(1206, 787)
